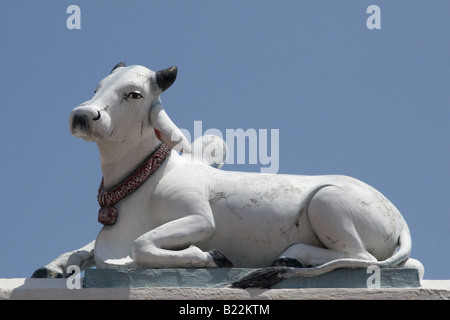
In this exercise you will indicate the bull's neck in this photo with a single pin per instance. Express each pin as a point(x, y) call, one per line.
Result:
point(119, 159)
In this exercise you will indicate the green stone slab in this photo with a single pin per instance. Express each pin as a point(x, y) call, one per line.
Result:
point(223, 277)
point(355, 278)
point(130, 278)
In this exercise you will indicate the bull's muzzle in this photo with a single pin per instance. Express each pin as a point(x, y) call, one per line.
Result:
point(81, 120)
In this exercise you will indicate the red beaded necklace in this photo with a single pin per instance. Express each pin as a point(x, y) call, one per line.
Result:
point(107, 199)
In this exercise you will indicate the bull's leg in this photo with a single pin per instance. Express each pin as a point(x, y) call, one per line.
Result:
point(171, 245)
point(82, 258)
point(333, 215)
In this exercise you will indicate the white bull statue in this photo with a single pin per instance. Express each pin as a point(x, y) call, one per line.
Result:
point(163, 209)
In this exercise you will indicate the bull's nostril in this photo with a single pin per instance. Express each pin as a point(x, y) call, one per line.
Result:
point(80, 121)
point(97, 117)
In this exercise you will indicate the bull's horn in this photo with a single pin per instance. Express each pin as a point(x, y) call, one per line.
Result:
point(119, 65)
point(166, 77)
point(167, 131)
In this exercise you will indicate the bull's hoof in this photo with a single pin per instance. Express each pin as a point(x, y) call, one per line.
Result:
point(287, 262)
point(44, 272)
point(220, 260)
point(261, 278)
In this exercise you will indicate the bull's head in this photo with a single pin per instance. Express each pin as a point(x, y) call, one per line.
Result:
point(126, 106)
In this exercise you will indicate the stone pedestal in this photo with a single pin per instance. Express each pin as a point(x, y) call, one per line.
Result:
point(57, 289)
point(226, 277)
point(215, 284)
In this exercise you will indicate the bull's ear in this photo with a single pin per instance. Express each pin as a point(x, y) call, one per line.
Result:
point(119, 65)
point(165, 78)
point(166, 131)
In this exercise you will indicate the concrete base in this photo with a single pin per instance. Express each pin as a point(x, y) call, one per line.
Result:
point(225, 277)
point(57, 289)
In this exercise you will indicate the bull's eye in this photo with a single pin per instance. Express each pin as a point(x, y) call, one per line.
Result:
point(134, 95)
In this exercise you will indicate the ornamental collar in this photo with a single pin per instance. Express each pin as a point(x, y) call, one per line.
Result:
point(107, 199)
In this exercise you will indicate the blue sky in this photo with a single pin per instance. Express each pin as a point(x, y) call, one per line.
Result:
point(372, 104)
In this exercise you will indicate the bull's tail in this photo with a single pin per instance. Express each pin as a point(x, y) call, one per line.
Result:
point(267, 277)
point(401, 254)
point(403, 250)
